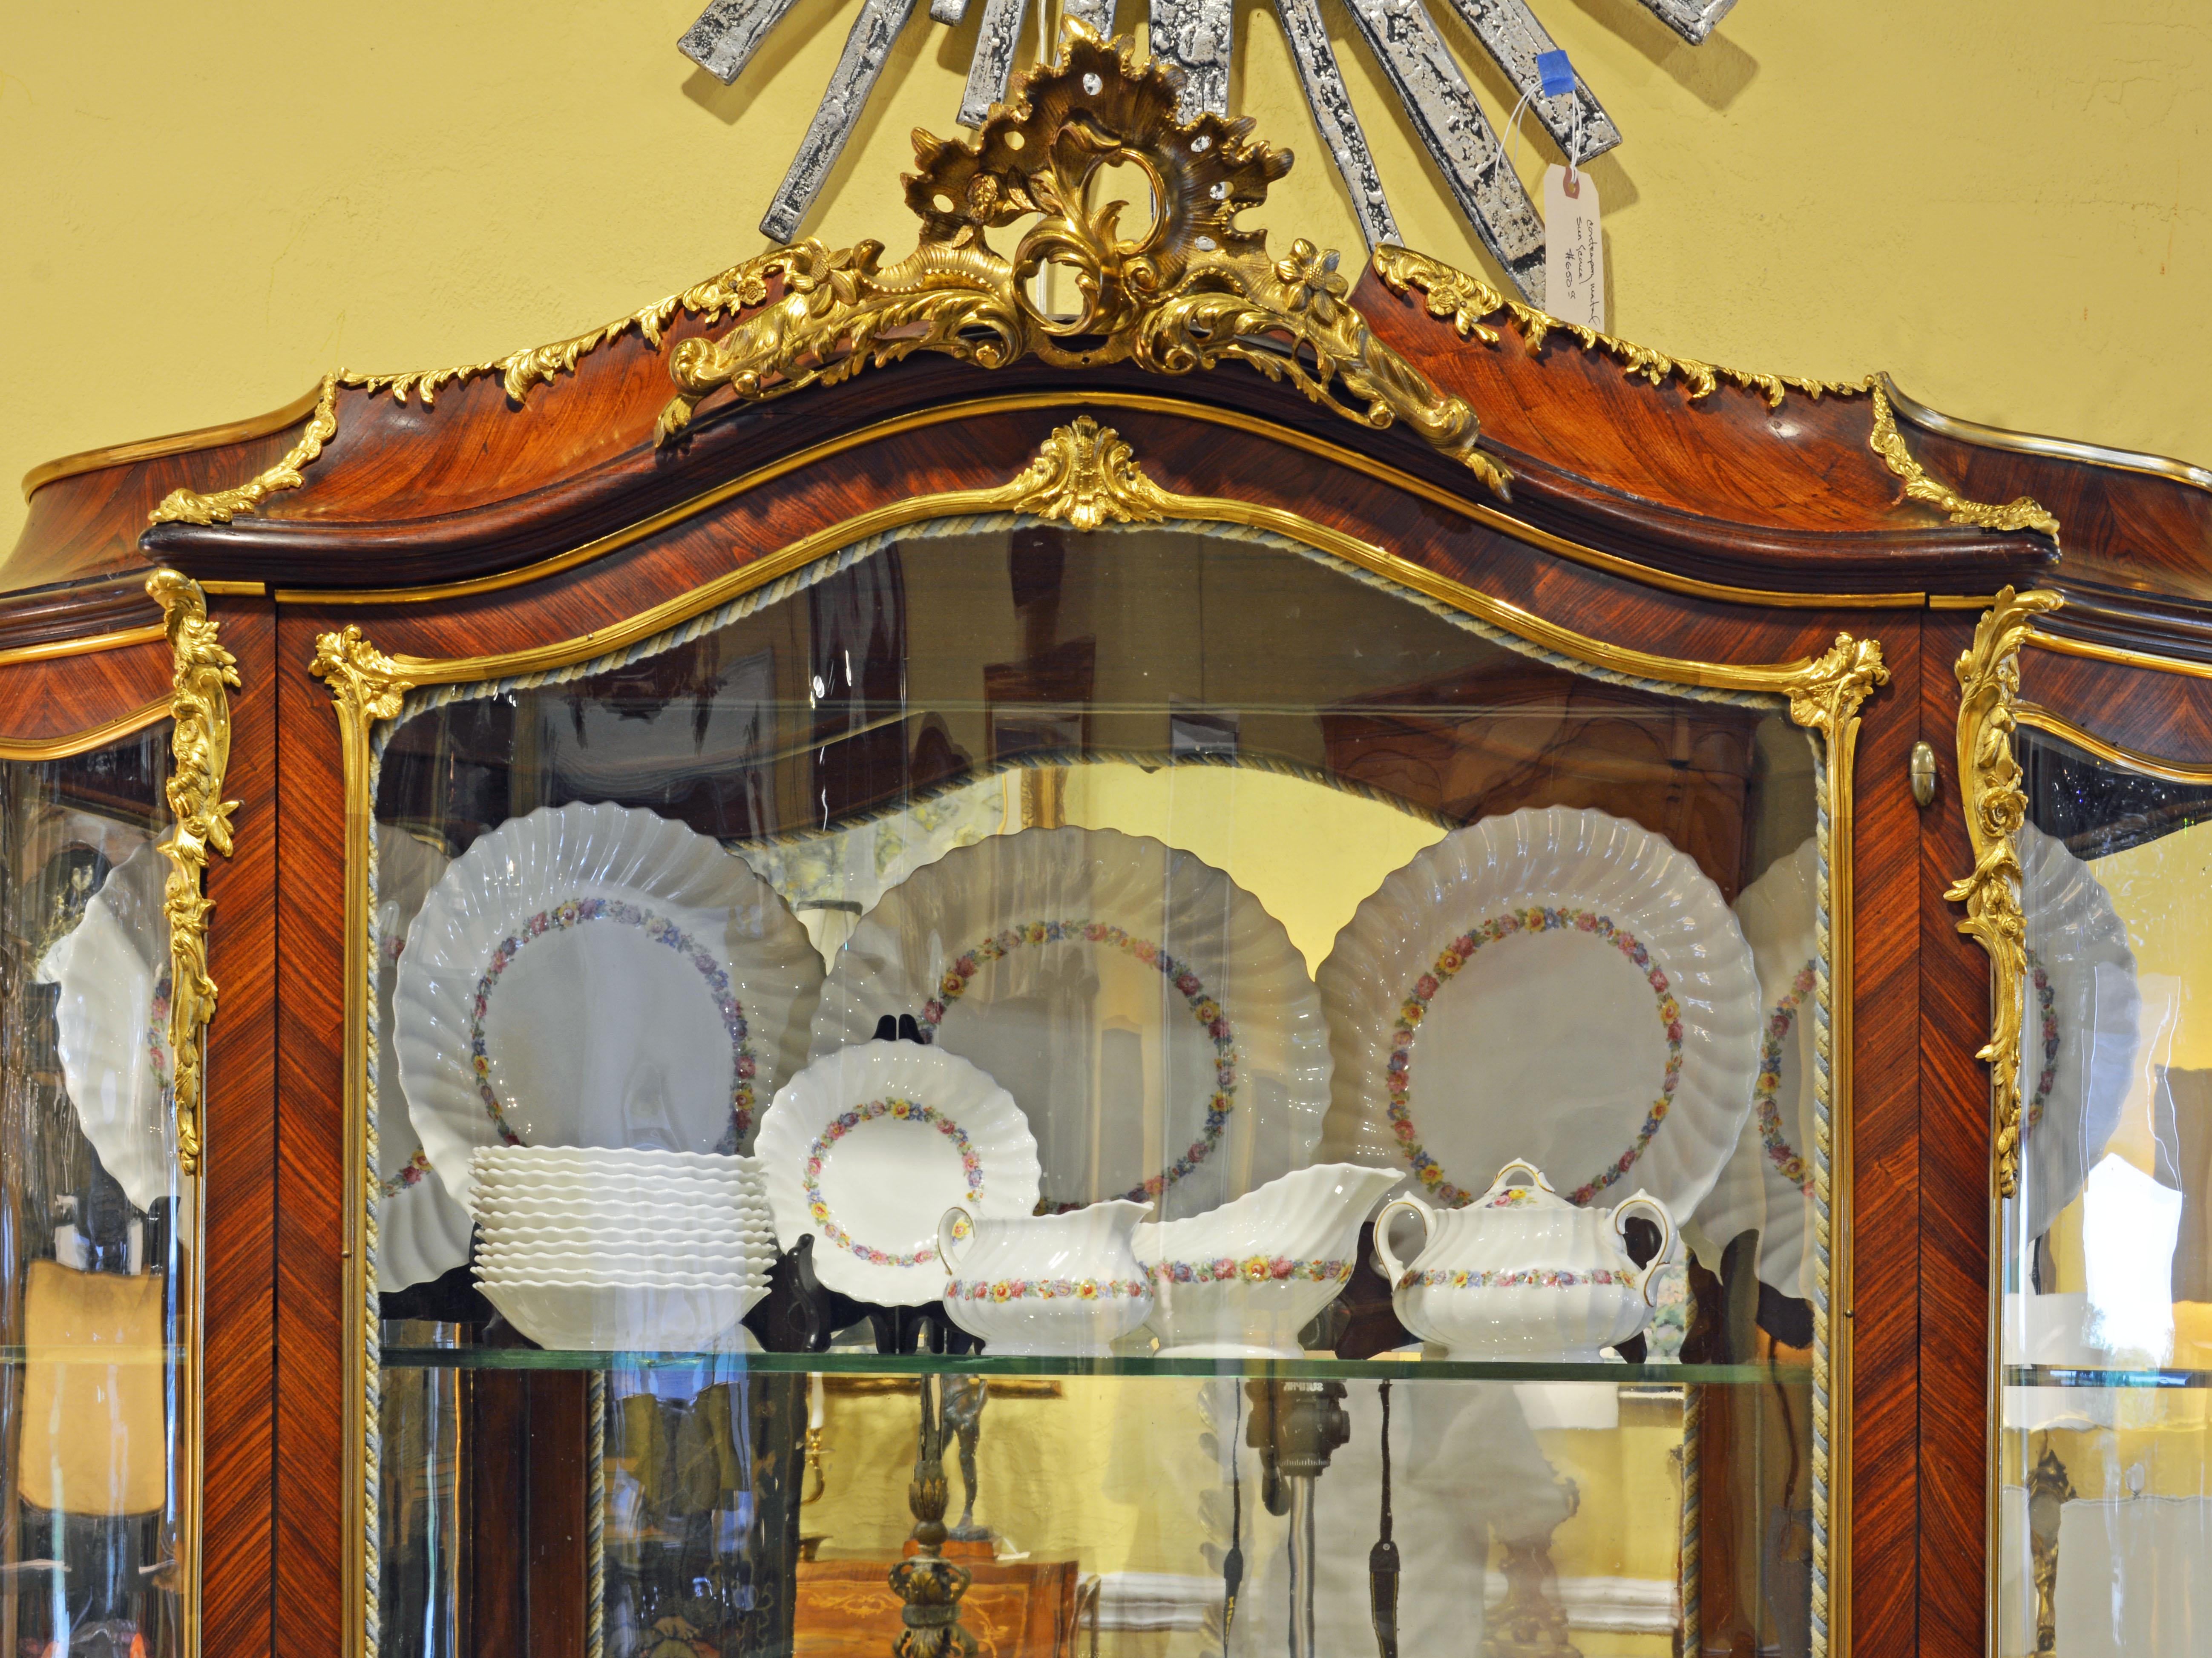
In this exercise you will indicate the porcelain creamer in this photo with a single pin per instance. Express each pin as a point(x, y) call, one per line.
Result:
point(1522, 1273)
point(1063, 1286)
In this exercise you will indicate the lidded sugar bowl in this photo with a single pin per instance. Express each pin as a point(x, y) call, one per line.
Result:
point(1522, 1273)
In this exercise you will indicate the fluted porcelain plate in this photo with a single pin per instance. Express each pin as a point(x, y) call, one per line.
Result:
point(113, 1023)
point(1155, 1022)
point(868, 1147)
point(2078, 1038)
point(622, 1318)
point(421, 1231)
point(1554, 984)
point(597, 976)
point(1766, 1186)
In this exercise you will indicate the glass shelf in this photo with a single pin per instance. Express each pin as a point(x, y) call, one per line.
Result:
point(1407, 1368)
point(2062, 1375)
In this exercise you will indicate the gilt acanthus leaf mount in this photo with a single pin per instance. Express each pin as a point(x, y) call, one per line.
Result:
point(1192, 291)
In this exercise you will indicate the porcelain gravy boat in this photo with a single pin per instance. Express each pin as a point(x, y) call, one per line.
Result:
point(1520, 1273)
point(1064, 1286)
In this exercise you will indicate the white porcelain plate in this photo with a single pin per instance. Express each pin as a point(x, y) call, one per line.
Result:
point(114, 1023)
point(1157, 1024)
point(597, 975)
point(1767, 1184)
point(1554, 984)
point(420, 1232)
point(868, 1147)
point(2078, 1039)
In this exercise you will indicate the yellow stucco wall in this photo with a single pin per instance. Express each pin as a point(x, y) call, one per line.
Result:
point(208, 206)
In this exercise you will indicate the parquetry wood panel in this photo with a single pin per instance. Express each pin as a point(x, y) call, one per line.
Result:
point(310, 1158)
point(240, 1141)
point(1955, 1399)
point(1884, 1309)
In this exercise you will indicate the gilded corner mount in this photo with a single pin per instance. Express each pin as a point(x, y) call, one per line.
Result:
point(1825, 696)
point(1192, 291)
point(2023, 512)
point(189, 506)
point(364, 681)
point(1997, 806)
point(199, 703)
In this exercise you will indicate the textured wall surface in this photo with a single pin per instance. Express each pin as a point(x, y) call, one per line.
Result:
point(2004, 204)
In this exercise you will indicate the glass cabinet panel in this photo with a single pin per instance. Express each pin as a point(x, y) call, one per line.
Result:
point(2105, 1453)
point(1068, 943)
point(97, 1222)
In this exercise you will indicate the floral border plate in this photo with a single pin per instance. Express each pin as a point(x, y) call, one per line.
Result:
point(1609, 1022)
point(420, 1232)
point(113, 1023)
point(918, 1130)
point(598, 1037)
point(1767, 1185)
point(2079, 1036)
point(1012, 953)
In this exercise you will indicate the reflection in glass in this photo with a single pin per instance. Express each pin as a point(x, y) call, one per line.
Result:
point(1275, 736)
point(2105, 1506)
point(97, 1228)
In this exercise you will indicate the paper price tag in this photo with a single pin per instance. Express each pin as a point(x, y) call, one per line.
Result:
point(1574, 251)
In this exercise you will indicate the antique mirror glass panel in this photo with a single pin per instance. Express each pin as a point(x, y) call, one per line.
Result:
point(98, 1229)
point(992, 865)
point(2106, 1502)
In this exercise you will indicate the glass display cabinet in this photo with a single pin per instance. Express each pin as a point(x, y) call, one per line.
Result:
point(1112, 940)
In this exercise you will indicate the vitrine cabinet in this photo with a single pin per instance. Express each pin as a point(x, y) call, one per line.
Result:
point(814, 926)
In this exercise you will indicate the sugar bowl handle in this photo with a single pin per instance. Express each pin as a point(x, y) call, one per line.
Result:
point(1656, 1212)
point(955, 1226)
point(1520, 1166)
point(1389, 1212)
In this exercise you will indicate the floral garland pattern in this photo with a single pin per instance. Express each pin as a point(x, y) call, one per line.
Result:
point(1538, 1278)
point(1054, 1289)
point(410, 1176)
point(1456, 955)
point(1253, 1269)
point(1779, 1019)
point(2046, 1008)
point(1203, 1008)
point(971, 1165)
point(575, 913)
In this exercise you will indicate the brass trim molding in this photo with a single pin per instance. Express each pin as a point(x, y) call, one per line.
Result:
point(1193, 292)
point(2025, 443)
point(122, 638)
point(1788, 679)
point(32, 749)
point(2022, 513)
point(1084, 474)
point(1988, 784)
point(365, 688)
point(189, 506)
point(177, 443)
point(200, 753)
point(2120, 655)
point(1465, 300)
point(1828, 702)
point(2034, 714)
point(1490, 517)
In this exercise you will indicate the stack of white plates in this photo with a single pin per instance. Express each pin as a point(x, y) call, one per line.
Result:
point(591, 1249)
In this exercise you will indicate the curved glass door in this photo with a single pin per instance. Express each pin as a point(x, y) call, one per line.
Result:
point(992, 865)
point(2105, 1456)
point(97, 1222)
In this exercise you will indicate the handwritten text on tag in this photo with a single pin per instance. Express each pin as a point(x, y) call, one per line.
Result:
point(1574, 251)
